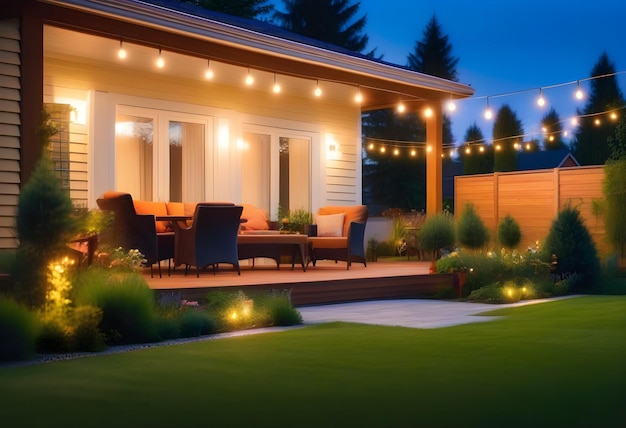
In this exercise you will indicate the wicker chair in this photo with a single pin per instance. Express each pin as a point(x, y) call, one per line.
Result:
point(130, 230)
point(211, 239)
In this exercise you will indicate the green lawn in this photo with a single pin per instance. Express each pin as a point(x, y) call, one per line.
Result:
point(558, 364)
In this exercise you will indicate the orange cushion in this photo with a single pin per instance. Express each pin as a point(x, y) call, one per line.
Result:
point(357, 213)
point(155, 208)
point(256, 218)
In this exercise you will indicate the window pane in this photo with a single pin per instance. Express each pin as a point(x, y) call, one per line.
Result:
point(134, 155)
point(295, 173)
point(255, 170)
point(186, 147)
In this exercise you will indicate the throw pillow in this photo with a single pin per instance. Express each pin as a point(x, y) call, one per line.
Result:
point(330, 225)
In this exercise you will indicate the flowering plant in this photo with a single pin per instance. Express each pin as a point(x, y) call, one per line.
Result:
point(133, 260)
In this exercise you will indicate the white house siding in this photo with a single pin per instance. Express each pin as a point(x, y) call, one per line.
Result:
point(335, 115)
point(9, 130)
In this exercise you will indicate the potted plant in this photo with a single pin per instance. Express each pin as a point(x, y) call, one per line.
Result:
point(298, 219)
point(436, 233)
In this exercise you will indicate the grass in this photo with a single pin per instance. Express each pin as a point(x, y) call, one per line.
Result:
point(558, 364)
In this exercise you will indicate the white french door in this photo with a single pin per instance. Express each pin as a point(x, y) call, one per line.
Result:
point(162, 155)
point(276, 169)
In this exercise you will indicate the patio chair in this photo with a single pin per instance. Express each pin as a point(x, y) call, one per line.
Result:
point(130, 230)
point(211, 239)
point(339, 234)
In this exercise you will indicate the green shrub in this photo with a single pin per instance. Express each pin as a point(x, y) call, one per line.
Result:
point(509, 232)
point(437, 232)
point(194, 323)
point(570, 240)
point(19, 328)
point(128, 305)
point(471, 232)
point(44, 224)
point(279, 310)
point(85, 334)
point(615, 206)
point(168, 327)
point(510, 291)
point(385, 249)
point(53, 337)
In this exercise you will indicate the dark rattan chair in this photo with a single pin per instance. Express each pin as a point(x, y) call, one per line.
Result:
point(211, 239)
point(130, 230)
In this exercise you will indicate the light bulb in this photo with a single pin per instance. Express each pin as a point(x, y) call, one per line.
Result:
point(579, 92)
point(488, 114)
point(249, 78)
point(541, 101)
point(358, 97)
point(451, 106)
point(428, 112)
point(160, 61)
point(208, 74)
point(401, 108)
point(121, 53)
point(276, 87)
point(318, 90)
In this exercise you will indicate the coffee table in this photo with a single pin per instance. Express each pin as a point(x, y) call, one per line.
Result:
point(272, 244)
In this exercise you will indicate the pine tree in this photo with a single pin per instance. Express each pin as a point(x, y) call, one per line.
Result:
point(507, 134)
point(432, 55)
point(475, 160)
point(331, 21)
point(553, 130)
point(590, 144)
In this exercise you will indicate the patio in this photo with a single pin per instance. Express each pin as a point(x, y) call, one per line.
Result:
point(327, 282)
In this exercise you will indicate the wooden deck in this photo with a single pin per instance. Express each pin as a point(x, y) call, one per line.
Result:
point(325, 283)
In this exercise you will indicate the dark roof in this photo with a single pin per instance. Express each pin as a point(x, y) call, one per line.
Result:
point(261, 27)
point(547, 159)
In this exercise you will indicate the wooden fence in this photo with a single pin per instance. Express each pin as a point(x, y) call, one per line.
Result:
point(533, 199)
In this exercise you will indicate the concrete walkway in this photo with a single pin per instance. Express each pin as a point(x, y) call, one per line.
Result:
point(415, 313)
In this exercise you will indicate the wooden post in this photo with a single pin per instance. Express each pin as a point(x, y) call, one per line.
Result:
point(434, 141)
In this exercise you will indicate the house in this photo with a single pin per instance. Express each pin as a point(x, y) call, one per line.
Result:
point(171, 102)
point(546, 159)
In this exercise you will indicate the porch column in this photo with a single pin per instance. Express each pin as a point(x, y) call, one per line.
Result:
point(434, 141)
point(31, 34)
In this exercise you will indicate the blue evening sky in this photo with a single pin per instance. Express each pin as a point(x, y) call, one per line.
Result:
point(507, 46)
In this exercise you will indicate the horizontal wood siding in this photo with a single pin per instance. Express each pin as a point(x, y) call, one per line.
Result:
point(335, 116)
point(534, 198)
point(9, 130)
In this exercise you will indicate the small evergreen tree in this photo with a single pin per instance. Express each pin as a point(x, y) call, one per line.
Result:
point(509, 232)
point(471, 232)
point(44, 224)
point(571, 242)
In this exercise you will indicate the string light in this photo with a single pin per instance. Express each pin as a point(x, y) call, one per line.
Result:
point(579, 92)
point(451, 104)
point(121, 53)
point(358, 97)
point(541, 101)
point(318, 91)
point(208, 74)
point(160, 62)
point(249, 78)
point(488, 111)
point(276, 87)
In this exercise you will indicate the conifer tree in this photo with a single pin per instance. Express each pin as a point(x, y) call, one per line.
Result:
point(590, 145)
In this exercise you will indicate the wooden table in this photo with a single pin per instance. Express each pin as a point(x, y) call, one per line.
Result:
point(272, 244)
